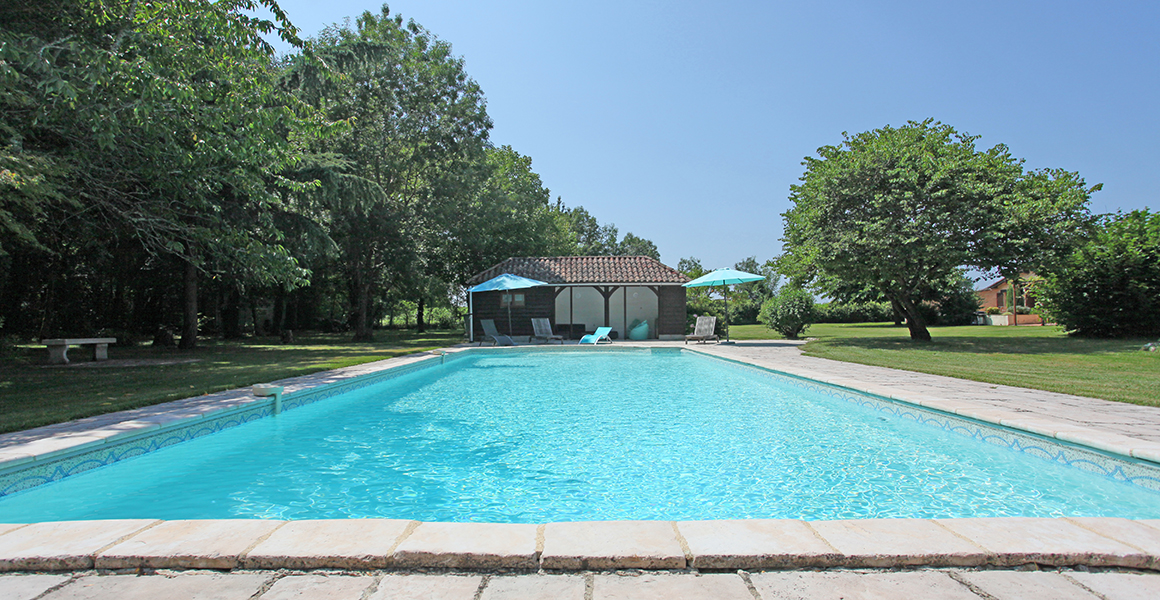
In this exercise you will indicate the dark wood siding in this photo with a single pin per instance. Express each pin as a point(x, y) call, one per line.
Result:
point(538, 302)
point(671, 309)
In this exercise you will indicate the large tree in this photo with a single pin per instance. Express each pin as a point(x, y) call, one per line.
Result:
point(415, 130)
point(1109, 286)
point(156, 122)
point(899, 209)
point(511, 214)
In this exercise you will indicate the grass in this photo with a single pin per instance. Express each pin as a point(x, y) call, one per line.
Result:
point(1041, 358)
point(34, 394)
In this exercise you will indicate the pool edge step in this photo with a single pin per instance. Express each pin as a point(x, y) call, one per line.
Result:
point(377, 544)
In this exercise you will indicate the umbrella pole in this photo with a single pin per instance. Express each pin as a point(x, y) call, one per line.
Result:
point(510, 315)
point(726, 313)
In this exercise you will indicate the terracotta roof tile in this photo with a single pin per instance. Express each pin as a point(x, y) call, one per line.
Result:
point(586, 269)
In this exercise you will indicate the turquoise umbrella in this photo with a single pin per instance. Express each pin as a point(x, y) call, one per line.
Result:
point(724, 278)
point(507, 281)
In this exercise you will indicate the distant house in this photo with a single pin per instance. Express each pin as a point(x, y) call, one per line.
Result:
point(585, 292)
point(998, 293)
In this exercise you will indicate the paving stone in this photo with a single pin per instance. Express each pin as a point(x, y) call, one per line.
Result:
point(894, 542)
point(987, 414)
point(1121, 586)
point(1019, 540)
point(57, 444)
point(1133, 533)
point(319, 587)
point(1149, 450)
point(11, 458)
point(27, 587)
point(209, 544)
point(1037, 424)
point(611, 545)
point(534, 587)
point(668, 586)
point(1021, 585)
point(323, 544)
point(469, 546)
point(185, 586)
point(6, 527)
point(62, 545)
point(1104, 440)
point(427, 587)
point(851, 585)
point(755, 544)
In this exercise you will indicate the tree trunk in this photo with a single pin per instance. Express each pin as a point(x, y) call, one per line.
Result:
point(279, 321)
point(1014, 300)
point(914, 321)
point(189, 327)
point(232, 315)
point(219, 323)
point(258, 329)
point(420, 326)
point(362, 330)
point(898, 313)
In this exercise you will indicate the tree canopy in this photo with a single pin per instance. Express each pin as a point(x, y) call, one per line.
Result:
point(1109, 286)
point(897, 210)
point(160, 167)
point(155, 123)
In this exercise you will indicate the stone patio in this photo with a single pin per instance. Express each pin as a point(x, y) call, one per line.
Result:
point(950, 584)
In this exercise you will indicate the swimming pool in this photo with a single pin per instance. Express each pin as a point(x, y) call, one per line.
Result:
point(537, 436)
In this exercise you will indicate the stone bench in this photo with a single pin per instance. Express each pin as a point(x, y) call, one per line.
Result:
point(58, 349)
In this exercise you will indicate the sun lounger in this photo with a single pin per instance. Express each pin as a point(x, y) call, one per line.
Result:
point(703, 332)
point(543, 331)
point(489, 333)
point(594, 338)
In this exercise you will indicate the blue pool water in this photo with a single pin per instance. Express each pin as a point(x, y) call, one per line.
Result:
point(562, 436)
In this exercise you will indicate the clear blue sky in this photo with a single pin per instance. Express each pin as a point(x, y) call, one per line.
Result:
point(686, 123)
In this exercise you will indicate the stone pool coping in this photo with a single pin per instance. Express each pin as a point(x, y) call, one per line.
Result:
point(700, 545)
point(377, 544)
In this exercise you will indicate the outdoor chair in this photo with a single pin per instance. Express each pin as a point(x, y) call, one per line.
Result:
point(594, 338)
point(543, 331)
point(703, 332)
point(489, 332)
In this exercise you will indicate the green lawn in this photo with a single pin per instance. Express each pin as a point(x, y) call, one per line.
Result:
point(1035, 357)
point(34, 394)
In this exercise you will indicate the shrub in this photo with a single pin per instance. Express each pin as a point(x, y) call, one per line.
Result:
point(743, 310)
point(957, 304)
point(789, 312)
point(994, 310)
point(1110, 285)
point(854, 312)
point(441, 317)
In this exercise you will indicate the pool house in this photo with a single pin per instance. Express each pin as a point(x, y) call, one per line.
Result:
point(583, 293)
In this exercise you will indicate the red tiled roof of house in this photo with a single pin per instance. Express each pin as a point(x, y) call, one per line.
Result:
point(586, 269)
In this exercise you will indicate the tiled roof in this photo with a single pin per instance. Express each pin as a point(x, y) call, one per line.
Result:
point(586, 269)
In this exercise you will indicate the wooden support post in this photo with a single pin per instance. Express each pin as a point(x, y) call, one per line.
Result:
point(607, 292)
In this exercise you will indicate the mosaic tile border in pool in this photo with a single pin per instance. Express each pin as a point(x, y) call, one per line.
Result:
point(1126, 470)
point(98, 454)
